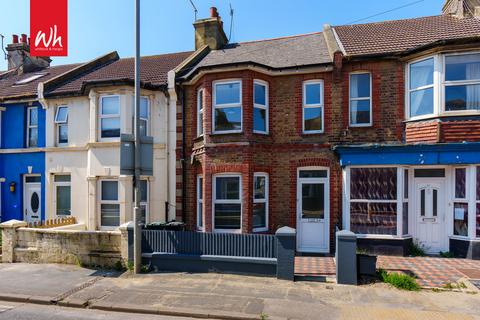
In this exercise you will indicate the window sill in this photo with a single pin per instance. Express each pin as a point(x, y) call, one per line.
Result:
point(450, 114)
point(360, 126)
point(219, 133)
point(227, 231)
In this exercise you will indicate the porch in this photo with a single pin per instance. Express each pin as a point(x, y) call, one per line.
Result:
point(430, 272)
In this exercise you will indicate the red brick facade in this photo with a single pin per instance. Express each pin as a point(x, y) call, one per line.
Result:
point(442, 131)
point(286, 148)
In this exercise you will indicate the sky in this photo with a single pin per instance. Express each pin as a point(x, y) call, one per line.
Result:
point(96, 27)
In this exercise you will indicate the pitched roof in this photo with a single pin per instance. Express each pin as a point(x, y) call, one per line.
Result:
point(278, 53)
point(153, 73)
point(8, 88)
point(390, 37)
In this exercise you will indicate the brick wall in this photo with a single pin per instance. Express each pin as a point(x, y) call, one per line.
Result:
point(458, 131)
point(424, 132)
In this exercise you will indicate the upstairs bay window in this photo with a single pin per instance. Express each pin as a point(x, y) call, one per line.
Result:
point(360, 100)
point(312, 119)
point(260, 107)
point(109, 117)
point(200, 113)
point(32, 127)
point(61, 121)
point(444, 84)
point(227, 106)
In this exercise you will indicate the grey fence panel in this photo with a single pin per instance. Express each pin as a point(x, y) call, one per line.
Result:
point(203, 243)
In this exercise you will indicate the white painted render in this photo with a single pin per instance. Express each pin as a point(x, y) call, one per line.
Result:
point(87, 159)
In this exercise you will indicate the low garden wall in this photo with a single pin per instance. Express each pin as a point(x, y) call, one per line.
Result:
point(66, 244)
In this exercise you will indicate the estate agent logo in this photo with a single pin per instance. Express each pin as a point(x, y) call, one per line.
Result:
point(48, 28)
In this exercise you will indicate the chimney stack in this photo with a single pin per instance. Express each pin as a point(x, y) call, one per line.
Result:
point(210, 32)
point(462, 8)
point(19, 56)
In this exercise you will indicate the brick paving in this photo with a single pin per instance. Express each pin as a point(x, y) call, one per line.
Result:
point(429, 271)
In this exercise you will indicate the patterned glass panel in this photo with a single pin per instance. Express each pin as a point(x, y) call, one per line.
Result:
point(478, 183)
point(373, 183)
point(460, 183)
point(373, 218)
point(405, 218)
point(478, 220)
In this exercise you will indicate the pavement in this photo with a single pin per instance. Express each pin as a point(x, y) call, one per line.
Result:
point(221, 296)
point(26, 311)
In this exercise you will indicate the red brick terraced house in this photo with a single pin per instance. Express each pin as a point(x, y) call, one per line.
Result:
point(424, 186)
point(374, 128)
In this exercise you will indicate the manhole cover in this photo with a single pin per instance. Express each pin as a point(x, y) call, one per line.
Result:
point(471, 273)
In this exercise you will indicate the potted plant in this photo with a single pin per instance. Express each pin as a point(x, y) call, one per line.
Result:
point(366, 263)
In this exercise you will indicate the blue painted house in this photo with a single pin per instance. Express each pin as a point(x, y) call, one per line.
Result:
point(22, 121)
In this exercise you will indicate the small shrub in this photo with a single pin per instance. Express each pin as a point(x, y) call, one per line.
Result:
point(130, 265)
point(446, 254)
point(451, 286)
point(399, 280)
point(417, 250)
point(144, 268)
point(118, 266)
point(362, 251)
point(263, 316)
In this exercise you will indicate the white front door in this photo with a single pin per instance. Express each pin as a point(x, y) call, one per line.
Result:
point(313, 210)
point(32, 202)
point(430, 203)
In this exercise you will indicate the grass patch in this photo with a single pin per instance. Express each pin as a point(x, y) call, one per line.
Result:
point(417, 250)
point(399, 280)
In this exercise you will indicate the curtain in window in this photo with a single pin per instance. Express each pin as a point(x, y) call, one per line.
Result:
point(421, 74)
point(473, 91)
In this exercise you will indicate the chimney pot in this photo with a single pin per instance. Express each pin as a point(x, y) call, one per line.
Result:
point(24, 38)
point(14, 38)
point(213, 12)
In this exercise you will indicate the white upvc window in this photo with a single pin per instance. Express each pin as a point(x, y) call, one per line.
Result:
point(109, 117)
point(32, 127)
point(144, 116)
point(443, 84)
point(227, 203)
point(260, 106)
point(200, 108)
point(61, 122)
point(312, 113)
point(62, 194)
point(260, 202)
point(109, 204)
point(144, 201)
point(360, 102)
point(227, 106)
point(199, 202)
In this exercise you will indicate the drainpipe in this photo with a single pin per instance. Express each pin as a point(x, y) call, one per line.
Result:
point(41, 97)
point(184, 168)
point(171, 144)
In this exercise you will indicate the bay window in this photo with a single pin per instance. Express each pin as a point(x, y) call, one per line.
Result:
point(109, 117)
point(444, 84)
point(227, 202)
point(360, 100)
point(144, 116)
point(61, 121)
point(200, 112)
point(32, 127)
point(421, 87)
point(62, 194)
point(200, 202)
point(260, 107)
point(109, 204)
point(312, 111)
point(227, 106)
point(373, 201)
point(462, 82)
point(260, 202)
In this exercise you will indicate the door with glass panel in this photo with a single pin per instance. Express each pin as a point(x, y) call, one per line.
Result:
point(430, 215)
point(32, 199)
point(313, 210)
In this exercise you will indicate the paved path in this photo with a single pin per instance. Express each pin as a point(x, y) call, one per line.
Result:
point(220, 296)
point(431, 272)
